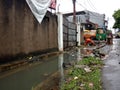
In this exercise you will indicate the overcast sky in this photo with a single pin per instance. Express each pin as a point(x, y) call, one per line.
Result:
point(106, 7)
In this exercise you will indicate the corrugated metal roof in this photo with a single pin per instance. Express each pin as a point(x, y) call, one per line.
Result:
point(85, 16)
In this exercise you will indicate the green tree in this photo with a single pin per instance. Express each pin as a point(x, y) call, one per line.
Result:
point(116, 17)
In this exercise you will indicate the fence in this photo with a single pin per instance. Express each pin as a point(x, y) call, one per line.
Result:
point(69, 33)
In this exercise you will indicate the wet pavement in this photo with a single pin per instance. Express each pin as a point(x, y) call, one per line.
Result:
point(111, 70)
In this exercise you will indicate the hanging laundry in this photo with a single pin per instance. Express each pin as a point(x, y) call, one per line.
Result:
point(53, 4)
point(39, 8)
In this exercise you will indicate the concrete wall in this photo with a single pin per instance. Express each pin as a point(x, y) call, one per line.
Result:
point(21, 34)
point(69, 33)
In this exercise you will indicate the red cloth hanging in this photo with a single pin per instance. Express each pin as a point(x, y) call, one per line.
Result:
point(53, 4)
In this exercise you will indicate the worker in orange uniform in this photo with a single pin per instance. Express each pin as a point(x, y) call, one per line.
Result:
point(88, 40)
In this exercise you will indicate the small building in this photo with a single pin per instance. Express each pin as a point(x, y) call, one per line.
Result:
point(88, 20)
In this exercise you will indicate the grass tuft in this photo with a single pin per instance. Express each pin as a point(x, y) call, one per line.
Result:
point(86, 76)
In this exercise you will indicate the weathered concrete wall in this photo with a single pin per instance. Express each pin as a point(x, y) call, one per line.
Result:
point(20, 33)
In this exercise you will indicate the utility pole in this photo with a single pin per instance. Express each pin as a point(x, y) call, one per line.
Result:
point(74, 11)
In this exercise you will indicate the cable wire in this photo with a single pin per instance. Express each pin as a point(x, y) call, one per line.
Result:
point(81, 5)
point(92, 5)
point(88, 10)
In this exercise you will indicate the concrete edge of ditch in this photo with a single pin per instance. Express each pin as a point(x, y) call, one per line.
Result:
point(25, 61)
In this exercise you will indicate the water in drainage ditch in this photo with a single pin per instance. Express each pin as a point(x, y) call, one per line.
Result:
point(47, 75)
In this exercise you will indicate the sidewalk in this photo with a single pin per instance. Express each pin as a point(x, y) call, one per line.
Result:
point(111, 70)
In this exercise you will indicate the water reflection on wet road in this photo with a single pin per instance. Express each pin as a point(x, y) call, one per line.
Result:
point(111, 70)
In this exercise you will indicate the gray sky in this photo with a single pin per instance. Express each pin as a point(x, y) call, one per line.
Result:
point(106, 7)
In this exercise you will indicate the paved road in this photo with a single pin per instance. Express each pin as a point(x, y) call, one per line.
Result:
point(111, 70)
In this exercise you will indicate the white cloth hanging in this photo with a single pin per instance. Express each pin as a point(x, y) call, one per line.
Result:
point(39, 8)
